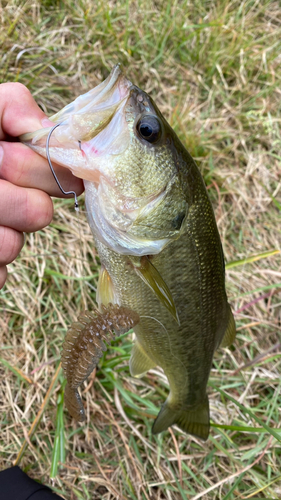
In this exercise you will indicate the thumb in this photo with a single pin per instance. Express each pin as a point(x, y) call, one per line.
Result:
point(19, 113)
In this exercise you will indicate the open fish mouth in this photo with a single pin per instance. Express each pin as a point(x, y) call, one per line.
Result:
point(91, 127)
point(97, 104)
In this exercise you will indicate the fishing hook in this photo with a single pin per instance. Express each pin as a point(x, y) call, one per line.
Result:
point(52, 168)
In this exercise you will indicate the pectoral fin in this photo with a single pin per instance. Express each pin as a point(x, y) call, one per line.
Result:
point(140, 363)
point(230, 332)
point(149, 274)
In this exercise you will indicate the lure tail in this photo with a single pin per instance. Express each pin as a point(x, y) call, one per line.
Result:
point(73, 403)
point(193, 421)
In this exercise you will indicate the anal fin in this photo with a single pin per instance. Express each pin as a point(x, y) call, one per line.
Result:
point(230, 332)
point(105, 291)
point(140, 363)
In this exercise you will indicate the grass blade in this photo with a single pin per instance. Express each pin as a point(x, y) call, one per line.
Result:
point(19, 373)
point(250, 413)
point(58, 454)
point(39, 415)
point(253, 258)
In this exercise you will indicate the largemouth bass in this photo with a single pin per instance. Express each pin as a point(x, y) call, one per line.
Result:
point(158, 242)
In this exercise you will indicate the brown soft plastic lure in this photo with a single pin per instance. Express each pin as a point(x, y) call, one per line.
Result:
point(84, 345)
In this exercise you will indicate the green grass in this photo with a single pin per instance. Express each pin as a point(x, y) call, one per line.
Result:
point(213, 68)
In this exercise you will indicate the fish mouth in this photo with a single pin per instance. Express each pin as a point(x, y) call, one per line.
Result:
point(91, 127)
point(91, 113)
point(109, 92)
point(95, 131)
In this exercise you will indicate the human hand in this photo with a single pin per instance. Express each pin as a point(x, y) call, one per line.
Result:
point(26, 182)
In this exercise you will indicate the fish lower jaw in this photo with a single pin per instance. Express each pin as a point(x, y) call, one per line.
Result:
point(122, 242)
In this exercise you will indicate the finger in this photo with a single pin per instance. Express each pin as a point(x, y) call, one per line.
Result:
point(29, 209)
point(18, 111)
point(3, 276)
point(23, 167)
point(11, 243)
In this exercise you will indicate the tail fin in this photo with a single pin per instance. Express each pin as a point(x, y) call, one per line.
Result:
point(195, 422)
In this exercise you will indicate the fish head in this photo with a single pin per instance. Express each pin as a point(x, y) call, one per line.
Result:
point(116, 140)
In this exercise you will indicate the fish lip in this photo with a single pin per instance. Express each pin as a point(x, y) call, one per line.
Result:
point(115, 78)
point(124, 86)
point(118, 78)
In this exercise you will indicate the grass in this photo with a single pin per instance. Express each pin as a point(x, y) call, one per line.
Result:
point(213, 67)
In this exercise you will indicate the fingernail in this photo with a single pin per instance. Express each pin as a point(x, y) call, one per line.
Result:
point(47, 123)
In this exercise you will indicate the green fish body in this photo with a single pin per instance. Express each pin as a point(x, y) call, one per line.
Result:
point(156, 235)
point(193, 269)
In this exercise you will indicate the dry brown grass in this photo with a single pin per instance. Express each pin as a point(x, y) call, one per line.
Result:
point(214, 70)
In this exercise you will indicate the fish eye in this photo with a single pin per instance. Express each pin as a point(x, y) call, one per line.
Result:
point(149, 128)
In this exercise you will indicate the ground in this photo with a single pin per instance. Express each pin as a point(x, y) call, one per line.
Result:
point(213, 68)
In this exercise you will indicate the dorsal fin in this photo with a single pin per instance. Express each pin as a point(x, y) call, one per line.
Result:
point(230, 332)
